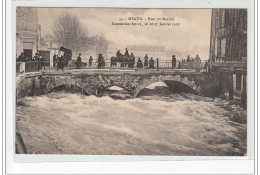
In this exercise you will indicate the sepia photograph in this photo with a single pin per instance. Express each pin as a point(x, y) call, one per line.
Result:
point(131, 81)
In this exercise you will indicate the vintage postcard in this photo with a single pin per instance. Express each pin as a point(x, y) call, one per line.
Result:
point(139, 81)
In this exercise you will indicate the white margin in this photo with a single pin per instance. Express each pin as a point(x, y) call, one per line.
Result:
point(221, 166)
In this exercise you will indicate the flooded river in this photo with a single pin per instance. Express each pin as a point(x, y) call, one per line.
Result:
point(156, 123)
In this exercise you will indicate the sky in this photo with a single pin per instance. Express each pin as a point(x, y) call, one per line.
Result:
point(191, 37)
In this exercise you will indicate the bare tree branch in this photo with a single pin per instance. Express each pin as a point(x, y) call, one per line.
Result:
point(69, 33)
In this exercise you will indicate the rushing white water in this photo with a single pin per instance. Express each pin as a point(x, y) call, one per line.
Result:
point(157, 84)
point(115, 88)
point(176, 124)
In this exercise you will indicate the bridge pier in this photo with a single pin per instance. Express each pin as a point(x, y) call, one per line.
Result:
point(220, 86)
point(231, 90)
point(244, 92)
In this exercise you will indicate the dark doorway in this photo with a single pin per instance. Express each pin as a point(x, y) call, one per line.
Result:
point(27, 53)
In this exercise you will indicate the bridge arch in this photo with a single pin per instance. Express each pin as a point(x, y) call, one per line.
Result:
point(68, 83)
point(189, 84)
point(69, 87)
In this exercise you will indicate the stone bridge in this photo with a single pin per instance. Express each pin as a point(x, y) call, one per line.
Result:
point(193, 82)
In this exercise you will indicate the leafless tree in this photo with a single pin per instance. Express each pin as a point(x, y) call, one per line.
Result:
point(69, 32)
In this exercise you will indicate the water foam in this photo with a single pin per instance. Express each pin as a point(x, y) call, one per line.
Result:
point(63, 123)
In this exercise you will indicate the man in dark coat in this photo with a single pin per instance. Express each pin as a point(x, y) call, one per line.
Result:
point(112, 62)
point(21, 58)
point(132, 60)
point(173, 62)
point(79, 61)
point(55, 59)
point(139, 63)
point(206, 66)
point(179, 66)
point(43, 61)
point(146, 61)
point(188, 58)
point(90, 61)
point(37, 59)
point(118, 54)
point(60, 64)
point(151, 63)
point(126, 52)
point(197, 59)
point(100, 61)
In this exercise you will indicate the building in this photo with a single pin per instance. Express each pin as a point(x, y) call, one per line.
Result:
point(48, 48)
point(228, 41)
point(27, 31)
point(228, 51)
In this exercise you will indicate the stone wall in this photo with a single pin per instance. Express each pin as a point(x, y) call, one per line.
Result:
point(201, 84)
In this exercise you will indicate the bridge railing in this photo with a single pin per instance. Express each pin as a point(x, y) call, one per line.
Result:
point(33, 66)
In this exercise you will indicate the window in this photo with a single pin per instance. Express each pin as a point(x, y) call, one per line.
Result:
point(223, 18)
point(218, 47)
point(223, 47)
point(217, 19)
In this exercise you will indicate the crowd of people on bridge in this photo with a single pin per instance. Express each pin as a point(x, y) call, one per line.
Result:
point(125, 60)
point(190, 63)
point(38, 61)
point(60, 61)
point(128, 60)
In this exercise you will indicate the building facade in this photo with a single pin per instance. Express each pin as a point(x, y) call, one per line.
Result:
point(27, 31)
point(228, 41)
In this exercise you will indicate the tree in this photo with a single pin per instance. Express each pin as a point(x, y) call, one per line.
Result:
point(69, 32)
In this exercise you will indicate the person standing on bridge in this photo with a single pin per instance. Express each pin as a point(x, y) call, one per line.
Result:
point(100, 60)
point(197, 59)
point(188, 58)
point(146, 61)
point(173, 62)
point(55, 57)
point(151, 63)
point(139, 63)
point(126, 52)
point(37, 59)
point(179, 66)
point(90, 61)
point(21, 58)
point(79, 61)
point(60, 64)
point(43, 62)
point(132, 60)
point(206, 66)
